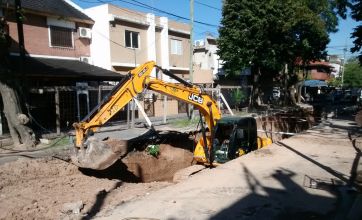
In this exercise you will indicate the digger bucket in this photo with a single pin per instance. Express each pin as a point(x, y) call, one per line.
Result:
point(97, 154)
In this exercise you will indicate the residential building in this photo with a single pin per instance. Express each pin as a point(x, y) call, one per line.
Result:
point(51, 29)
point(337, 64)
point(207, 64)
point(57, 38)
point(124, 38)
point(320, 70)
point(316, 70)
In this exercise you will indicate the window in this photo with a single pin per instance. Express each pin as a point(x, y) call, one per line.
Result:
point(61, 37)
point(176, 47)
point(131, 39)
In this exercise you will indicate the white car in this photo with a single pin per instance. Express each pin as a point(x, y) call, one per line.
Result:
point(276, 93)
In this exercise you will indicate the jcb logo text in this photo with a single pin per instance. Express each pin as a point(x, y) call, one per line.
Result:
point(196, 98)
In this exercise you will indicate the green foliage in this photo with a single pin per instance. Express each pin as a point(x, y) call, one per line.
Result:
point(336, 82)
point(352, 74)
point(3, 33)
point(153, 150)
point(269, 33)
point(357, 33)
point(180, 123)
point(238, 96)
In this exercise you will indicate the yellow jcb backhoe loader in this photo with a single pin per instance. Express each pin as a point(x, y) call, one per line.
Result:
point(225, 139)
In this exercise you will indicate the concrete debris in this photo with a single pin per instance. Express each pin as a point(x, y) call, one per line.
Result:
point(44, 141)
point(72, 207)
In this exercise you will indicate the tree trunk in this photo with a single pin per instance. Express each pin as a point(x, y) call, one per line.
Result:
point(255, 93)
point(23, 136)
point(300, 85)
point(292, 94)
point(286, 92)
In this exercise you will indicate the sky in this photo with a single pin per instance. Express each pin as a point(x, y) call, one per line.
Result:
point(209, 12)
point(342, 39)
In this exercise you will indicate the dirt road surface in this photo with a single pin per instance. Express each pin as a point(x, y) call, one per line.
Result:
point(303, 177)
point(50, 188)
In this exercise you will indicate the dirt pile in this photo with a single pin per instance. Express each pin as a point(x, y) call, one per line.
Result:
point(149, 168)
point(44, 188)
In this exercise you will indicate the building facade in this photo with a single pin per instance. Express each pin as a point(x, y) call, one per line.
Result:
point(51, 29)
point(63, 87)
point(320, 70)
point(124, 38)
point(207, 64)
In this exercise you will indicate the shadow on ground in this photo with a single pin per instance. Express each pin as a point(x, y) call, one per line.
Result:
point(293, 200)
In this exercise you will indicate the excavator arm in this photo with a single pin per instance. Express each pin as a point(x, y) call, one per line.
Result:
point(95, 154)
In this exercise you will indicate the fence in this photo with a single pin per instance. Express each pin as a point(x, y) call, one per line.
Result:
point(53, 110)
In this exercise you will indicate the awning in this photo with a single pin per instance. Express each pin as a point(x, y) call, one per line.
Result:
point(315, 83)
point(48, 68)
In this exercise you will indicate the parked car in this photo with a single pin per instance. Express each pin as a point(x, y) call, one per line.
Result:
point(276, 93)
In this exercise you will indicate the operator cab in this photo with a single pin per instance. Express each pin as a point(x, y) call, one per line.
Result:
point(234, 136)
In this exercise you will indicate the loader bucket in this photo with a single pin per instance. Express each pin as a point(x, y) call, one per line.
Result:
point(99, 155)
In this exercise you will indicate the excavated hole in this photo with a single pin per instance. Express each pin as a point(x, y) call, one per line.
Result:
point(176, 152)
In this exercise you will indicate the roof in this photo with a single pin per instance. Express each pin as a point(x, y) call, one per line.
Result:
point(62, 68)
point(314, 63)
point(53, 7)
point(320, 63)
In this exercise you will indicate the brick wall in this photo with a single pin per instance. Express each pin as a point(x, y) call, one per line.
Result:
point(319, 75)
point(36, 38)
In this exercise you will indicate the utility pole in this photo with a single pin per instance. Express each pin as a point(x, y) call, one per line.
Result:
point(191, 73)
point(344, 62)
point(133, 116)
point(19, 22)
point(191, 41)
point(132, 103)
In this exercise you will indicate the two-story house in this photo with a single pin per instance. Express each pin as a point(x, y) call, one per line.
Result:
point(124, 38)
point(57, 38)
point(207, 63)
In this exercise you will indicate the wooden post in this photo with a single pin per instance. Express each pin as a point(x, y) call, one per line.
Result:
point(1, 125)
point(133, 113)
point(57, 111)
point(19, 22)
point(191, 72)
point(164, 109)
point(99, 93)
point(128, 115)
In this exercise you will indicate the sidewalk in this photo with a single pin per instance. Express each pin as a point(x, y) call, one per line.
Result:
point(307, 176)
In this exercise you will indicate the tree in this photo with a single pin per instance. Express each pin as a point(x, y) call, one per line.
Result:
point(266, 35)
point(352, 74)
point(357, 33)
point(22, 135)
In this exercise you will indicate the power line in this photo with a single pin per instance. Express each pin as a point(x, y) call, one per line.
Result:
point(178, 16)
point(93, 2)
point(143, 5)
point(340, 46)
point(206, 5)
point(136, 13)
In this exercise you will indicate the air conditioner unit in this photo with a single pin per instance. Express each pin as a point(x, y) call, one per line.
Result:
point(86, 60)
point(199, 43)
point(85, 33)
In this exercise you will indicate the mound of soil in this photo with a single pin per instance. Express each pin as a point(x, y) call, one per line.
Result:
point(149, 168)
